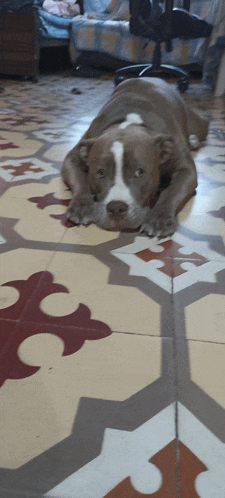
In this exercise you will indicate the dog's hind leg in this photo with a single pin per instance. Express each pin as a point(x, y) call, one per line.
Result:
point(198, 126)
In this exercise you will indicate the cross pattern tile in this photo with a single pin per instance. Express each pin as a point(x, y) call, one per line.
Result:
point(112, 345)
point(14, 170)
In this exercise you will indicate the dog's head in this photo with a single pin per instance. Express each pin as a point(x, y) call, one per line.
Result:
point(124, 173)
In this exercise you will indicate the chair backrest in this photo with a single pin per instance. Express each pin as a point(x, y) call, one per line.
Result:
point(144, 6)
point(141, 6)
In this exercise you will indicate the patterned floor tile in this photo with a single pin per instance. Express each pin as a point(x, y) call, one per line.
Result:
point(30, 122)
point(17, 144)
point(114, 368)
point(3, 186)
point(172, 264)
point(129, 431)
point(58, 152)
point(205, 319)
point(12, 494)
point(7, 329)
point(203, 477)
point(111, 344)
point(91, 235)
point(130, 463)
point(28, 168)
point(19, 278)
point(2, 240)
point(207, 368)
point(124, 309)
point(205, 202)
point(34, 223)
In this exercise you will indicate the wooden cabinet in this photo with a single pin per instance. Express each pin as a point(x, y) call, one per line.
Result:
point(19, 52)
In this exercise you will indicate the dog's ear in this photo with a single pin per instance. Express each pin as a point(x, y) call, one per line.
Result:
point(84, 147)
point(165, 145)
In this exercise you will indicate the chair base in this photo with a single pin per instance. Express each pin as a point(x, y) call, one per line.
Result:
point(151, 70)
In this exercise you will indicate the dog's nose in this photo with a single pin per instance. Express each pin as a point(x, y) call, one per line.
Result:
point(117, 208)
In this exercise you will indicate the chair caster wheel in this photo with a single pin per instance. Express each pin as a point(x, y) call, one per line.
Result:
point(120, 79)
point(183, 84)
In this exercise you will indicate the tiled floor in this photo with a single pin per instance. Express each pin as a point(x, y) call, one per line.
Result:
point(112, 345)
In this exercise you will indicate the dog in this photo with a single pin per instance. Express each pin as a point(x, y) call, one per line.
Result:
point(133, 168)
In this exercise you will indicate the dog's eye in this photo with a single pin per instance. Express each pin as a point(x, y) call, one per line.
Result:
point(139, 172)
point(101, 173)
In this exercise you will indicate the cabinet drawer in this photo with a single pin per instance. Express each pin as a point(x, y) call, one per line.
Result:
point(17, 56)
point(24, 42)
point(16, 22)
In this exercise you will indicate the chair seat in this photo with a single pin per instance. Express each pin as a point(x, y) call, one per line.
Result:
point(177, 23)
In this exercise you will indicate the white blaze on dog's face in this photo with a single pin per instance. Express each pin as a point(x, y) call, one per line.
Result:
point(120, 191)
point(123, 173)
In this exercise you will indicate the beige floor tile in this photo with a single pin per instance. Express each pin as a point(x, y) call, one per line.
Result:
point(20, 264)
point(203, 204)
point(203, 223)
point(91, 235)
point(17, 145)
point(59, 152)
point(207, 366)
point(45, 404)
point(124, 309)
point(205, 319)
point(27, 190)
point(34, 223)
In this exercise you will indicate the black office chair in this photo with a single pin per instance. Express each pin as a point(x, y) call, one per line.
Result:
point(149, 21)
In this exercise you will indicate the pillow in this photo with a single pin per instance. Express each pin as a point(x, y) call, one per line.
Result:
point(62, 7)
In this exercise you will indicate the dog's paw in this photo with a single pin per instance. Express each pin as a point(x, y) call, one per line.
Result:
point(158, 225)
point(81, 211)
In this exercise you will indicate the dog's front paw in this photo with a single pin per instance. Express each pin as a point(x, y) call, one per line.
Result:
point(81, 211)
point(159, 225)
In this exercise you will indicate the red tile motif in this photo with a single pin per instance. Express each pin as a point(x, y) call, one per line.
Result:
point(73, 329)
point(165, 461)
point(62, 217)
point(73, 337)
point(33, 291)
point(20, 170)
point(7, 146)
point(171, 250)
point(11, 366)
point(6, 327)
point(190, 468)
point(26, 288)
point(20, 121)
point(48, 200)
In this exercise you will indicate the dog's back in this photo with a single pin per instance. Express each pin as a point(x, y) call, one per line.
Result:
point(159, 106)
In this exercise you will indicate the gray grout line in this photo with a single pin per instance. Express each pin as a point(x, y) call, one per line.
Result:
point(204, 342)
point(177, 467)
point(175, 354)
point(142, 335)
